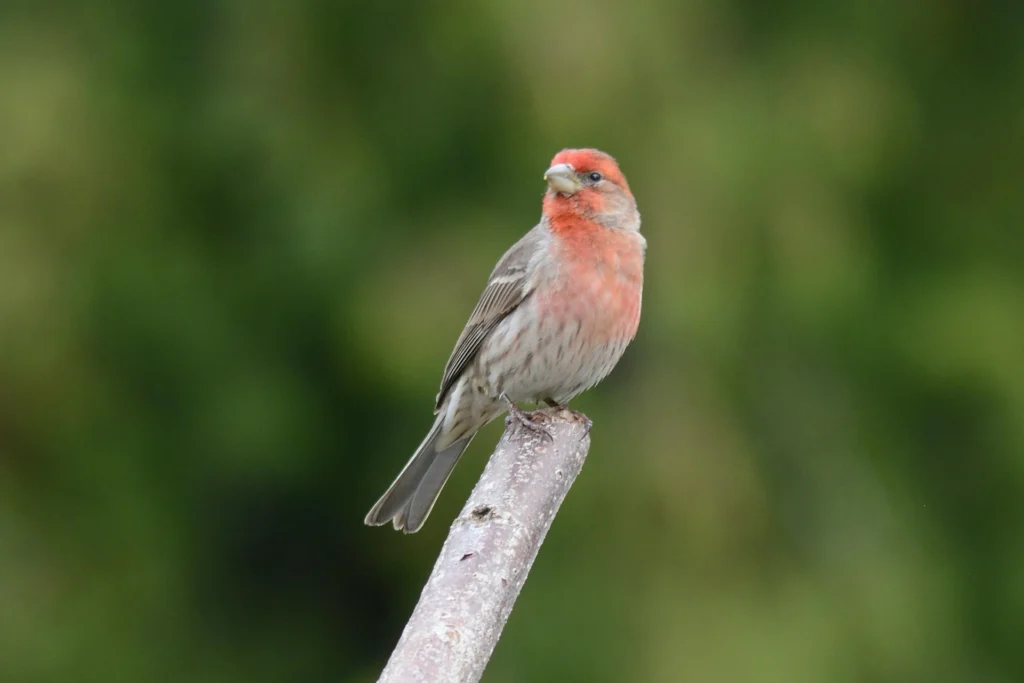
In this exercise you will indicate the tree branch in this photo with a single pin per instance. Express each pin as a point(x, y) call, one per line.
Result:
point(489, 551)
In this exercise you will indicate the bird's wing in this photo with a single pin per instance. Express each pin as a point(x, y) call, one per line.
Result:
point(507, 287)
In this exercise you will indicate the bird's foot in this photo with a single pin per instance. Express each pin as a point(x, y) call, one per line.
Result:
point(587, 422)
point(552, 403)
point(531, 422)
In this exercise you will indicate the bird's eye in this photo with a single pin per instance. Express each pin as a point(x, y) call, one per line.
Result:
point(594, 177)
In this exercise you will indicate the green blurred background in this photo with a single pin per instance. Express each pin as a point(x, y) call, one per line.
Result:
point(239, 239)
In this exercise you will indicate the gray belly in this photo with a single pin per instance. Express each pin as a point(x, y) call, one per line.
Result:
point(547, 360)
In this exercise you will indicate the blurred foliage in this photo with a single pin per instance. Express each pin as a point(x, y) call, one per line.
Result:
point(238, 239)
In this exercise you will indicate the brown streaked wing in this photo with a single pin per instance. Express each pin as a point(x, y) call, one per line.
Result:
point(506, 289)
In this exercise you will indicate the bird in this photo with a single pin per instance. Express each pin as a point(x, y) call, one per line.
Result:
point(556, 315)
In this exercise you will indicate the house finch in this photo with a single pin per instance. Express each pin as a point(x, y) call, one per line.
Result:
point(558, 311)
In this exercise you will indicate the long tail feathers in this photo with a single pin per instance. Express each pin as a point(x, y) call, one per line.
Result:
point(409, 500)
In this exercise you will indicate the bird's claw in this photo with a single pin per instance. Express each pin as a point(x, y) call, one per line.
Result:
point(519, 416)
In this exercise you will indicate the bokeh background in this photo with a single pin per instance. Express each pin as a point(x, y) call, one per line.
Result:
point(239, 239)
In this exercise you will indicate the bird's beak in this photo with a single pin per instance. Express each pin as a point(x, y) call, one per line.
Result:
point(562, 178)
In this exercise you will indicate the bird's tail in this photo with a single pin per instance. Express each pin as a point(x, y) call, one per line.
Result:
point(408, 501)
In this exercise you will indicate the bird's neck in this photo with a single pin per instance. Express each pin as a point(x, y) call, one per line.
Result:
point(585, 211)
